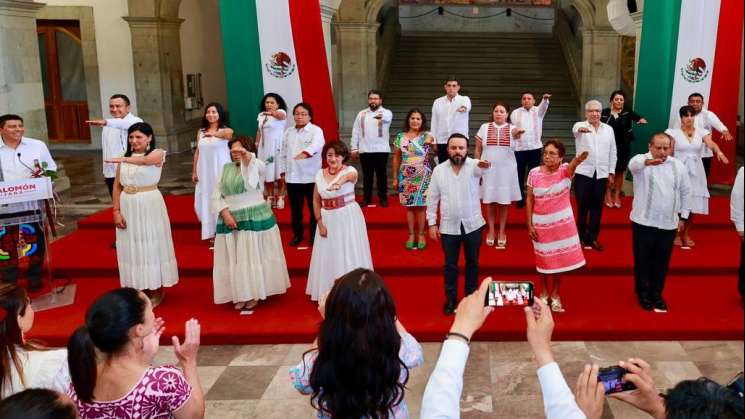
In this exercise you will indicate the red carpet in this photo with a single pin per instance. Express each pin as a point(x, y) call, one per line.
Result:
point(701, 288)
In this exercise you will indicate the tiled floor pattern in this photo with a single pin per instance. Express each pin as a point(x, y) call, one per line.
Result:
point(500, 382)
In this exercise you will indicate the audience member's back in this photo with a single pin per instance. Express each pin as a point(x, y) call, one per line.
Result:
point(361, 364)
point(703, 399)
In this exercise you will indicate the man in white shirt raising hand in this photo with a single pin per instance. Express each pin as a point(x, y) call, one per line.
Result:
point(114, 135)
point(593, 175)
point(661, 207)
point(371, 142)
point(454, 188)
point(449, 116)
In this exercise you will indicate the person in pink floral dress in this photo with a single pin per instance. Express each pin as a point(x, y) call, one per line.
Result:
point(110, 363)
point(551, 220)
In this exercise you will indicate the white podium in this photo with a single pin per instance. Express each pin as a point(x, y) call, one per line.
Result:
point(24, 201)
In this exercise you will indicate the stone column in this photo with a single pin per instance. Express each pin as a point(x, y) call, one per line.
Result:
point(21, 90)
point(356, 73)
point(601, 63)
point(328, 10)
point(156, 49)
point(638, 21)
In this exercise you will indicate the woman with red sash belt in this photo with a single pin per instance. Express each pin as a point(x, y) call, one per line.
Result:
point(341, 243)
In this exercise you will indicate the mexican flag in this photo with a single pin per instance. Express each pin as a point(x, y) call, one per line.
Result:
point(276, 46)
point(690, 46)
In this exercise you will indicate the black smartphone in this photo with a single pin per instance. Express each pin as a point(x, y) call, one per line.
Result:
point(510, 294)
point(737, 385)
point(612, 379)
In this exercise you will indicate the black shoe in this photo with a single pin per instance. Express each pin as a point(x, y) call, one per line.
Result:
point(295, 241)
point(113, 245)
point(449, 308)
point(384, 203)
point(646, 303)
point(660, 306)
point(597, 246)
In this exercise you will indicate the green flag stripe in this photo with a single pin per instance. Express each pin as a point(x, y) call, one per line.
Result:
point(654, 86)
point(242, 58)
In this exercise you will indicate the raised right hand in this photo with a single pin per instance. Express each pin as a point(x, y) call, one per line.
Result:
point(187, 352)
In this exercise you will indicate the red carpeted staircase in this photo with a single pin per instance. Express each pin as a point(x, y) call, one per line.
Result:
point(599, 298)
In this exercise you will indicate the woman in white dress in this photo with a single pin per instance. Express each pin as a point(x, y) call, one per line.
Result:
point(272, 123)
point(144, 247)
point(249, 263)
point(341, 243)
point(211, 155)
point(25, 364)
point(495, 143)
point(688, 147)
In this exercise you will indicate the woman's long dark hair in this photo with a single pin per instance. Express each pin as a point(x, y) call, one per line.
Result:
point(13, 303)
point(222, 116)
point(107, 325)
point(37, 403)
point(146, 129)
point(357, 371)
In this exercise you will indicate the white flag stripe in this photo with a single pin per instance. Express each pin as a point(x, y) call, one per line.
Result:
point(697, 38)
point(275, 36)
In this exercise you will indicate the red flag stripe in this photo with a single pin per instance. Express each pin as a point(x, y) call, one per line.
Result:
point(310, 52)
point(724, 96)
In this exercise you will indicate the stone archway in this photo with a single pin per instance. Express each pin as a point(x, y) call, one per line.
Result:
point(355, 61)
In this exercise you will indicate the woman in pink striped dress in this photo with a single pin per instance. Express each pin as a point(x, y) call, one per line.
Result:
point(551, 220)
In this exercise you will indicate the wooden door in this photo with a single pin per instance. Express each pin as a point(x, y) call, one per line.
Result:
point(63, 79)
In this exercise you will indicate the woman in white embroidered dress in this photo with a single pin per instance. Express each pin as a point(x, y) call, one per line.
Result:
point(209, 158)
point(272, 123)
point(144, 247)
point(688, 147)
point(341, 243)
point(495, 143)
point(249, 263)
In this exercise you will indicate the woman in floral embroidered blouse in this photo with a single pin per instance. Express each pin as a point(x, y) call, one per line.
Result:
point(361, 359)
point(110, 363)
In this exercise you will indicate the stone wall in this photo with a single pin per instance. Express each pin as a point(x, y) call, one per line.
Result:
point(476, 19)
point(21, 90)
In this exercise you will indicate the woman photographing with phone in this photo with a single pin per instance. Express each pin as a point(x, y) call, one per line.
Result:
point(551, 221)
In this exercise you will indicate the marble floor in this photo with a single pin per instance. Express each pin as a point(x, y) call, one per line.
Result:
point(500, 381)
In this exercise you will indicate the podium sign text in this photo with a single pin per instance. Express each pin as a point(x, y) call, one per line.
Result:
point(25, 190)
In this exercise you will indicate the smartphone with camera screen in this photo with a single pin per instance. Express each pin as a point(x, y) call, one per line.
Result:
point(612, 379)
point(510, 294)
